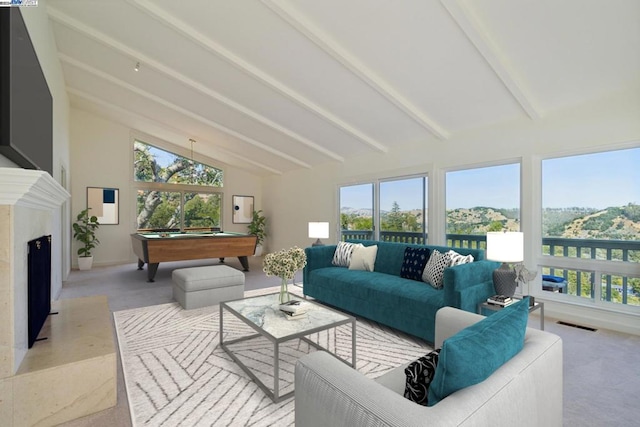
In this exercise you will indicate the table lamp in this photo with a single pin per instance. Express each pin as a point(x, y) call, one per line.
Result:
point(318, 230)
point(505, 247)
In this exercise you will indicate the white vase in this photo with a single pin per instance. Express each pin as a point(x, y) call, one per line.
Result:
point(258, 251)
point(85, 262)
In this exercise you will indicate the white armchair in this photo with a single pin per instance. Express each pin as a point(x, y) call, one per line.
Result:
point(525, 391)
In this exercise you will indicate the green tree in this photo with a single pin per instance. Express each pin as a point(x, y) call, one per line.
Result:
point(394, 219)
point(202, 210)
point(161, 209)
point(495, 226)
point(362, 223)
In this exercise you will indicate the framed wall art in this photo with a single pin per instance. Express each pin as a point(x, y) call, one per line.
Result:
point(103, 203)
point(242, 209)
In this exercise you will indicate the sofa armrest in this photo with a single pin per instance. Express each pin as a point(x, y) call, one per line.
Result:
point(450, 321)
point(330, 393)
point(466, 285)
point(317, 257)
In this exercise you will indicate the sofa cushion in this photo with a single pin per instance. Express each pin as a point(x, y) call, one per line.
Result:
point(457, 259)
point(363, 258)
point(343, 253)
point(474, 353)
point(419, 375)
point(414, 261)
point(435, 268)
point(394, 300)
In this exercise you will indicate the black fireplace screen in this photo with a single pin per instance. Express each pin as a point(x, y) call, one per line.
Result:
point(39, 286)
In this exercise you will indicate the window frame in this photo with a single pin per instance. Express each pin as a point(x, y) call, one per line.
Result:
point(503, 162)
point(600, 268)
point(376, 217)
point(172, 187)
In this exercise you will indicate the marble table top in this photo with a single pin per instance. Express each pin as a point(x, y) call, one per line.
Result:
point(263, 312)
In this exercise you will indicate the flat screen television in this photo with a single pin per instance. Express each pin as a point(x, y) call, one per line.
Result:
point(26, 105)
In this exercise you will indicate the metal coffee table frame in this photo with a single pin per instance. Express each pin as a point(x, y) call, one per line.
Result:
point(275, 394)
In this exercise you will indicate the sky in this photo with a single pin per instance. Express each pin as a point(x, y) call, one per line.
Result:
point(592, 180)
point(163, 158)
point(595, 180)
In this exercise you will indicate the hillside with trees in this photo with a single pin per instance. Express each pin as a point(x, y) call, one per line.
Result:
point(612, 223)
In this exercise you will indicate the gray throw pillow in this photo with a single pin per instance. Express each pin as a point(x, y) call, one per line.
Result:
point(434, 269)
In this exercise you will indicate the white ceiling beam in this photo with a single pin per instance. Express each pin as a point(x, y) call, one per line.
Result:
point(172, 73)
point(99, 73)
point(254, 72)
point(480, 38)
point(305, 27)
point(130, 113)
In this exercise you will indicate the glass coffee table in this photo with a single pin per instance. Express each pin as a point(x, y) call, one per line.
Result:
point(263, 315)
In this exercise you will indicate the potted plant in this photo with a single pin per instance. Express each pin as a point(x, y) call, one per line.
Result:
point(258, 227)
point(84, 231)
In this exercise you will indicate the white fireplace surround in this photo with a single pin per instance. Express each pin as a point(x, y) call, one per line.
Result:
point(30, 207)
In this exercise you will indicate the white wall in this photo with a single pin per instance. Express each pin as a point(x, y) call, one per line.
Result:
point(102, 156)
point(294, 199)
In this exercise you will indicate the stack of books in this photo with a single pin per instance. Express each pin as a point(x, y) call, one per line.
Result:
point(294, 310)
point(500, 300)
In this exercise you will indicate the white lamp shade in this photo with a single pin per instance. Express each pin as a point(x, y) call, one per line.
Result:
point(505, 246)
point(318, 230)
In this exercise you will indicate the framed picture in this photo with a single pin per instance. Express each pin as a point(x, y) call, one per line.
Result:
point(103, 203)
point(242, 209)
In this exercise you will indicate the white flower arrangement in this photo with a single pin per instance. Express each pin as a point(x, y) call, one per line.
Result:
point(284, 263)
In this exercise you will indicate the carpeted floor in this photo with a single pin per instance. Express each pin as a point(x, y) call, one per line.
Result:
point(176, 374)
point(601, 375)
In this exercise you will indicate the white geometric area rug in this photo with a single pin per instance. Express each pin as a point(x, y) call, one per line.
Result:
point(176, 374)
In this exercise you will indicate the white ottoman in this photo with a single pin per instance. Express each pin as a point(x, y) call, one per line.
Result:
point(197, 287)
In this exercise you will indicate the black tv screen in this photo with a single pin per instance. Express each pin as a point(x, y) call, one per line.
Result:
point(26, 106)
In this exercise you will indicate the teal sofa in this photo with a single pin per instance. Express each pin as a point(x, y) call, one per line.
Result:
point(385, 297)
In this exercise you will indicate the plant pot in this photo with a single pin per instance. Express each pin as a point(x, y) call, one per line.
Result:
point(85, 262)
point(258, 251)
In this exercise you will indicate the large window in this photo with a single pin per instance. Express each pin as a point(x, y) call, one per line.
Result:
point(356, 212)
point(392, 210)
point(591, 225)
point(175, 193)
point(403, 217)
point(153, 164)
point(480, 200)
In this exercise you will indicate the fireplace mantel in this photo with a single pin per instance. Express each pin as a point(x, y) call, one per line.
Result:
point(30, 188)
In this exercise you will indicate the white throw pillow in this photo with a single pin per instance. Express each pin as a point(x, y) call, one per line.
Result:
point(457, 259)
point(363, 258)
point(434, 269)
point(342, 255)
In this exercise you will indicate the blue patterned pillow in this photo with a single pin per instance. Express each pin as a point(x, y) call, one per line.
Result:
point(413, 263)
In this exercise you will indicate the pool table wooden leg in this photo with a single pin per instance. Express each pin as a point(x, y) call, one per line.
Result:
point(245, 262)
point(221, 260)
point(151, 271)
point(140, 264)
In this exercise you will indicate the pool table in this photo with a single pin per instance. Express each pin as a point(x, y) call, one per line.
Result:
point(157, 247)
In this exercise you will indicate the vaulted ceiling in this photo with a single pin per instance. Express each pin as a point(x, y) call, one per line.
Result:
point(275, 85)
